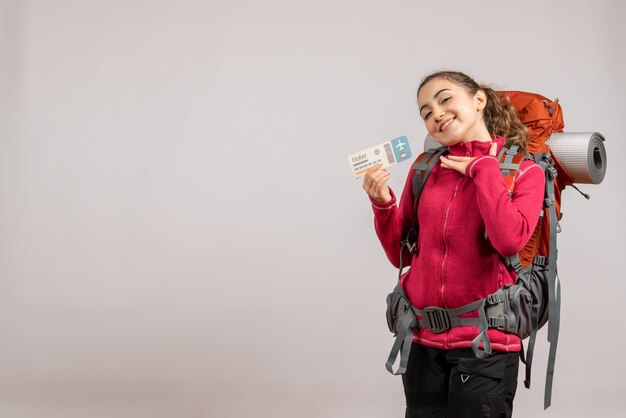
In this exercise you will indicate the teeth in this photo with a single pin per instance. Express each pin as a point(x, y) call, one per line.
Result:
point(445, 125)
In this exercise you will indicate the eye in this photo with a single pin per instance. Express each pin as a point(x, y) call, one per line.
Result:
point(427, 115)
point(446, 99)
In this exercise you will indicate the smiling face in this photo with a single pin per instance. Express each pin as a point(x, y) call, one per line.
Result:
point(451, 114)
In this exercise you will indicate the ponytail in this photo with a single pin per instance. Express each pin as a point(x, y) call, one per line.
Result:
point(501, 119)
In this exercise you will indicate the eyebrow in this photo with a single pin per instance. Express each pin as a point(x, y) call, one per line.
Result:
point(434, 97)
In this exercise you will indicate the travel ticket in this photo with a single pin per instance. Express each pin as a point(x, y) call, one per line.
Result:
point(388, 153)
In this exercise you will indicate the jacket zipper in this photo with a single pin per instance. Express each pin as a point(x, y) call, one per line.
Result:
point(445, 245)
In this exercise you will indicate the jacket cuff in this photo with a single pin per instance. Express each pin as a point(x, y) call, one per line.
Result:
point(384, 205)
point(479, 164)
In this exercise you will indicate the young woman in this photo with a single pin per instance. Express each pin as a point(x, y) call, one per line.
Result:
point(468, 221)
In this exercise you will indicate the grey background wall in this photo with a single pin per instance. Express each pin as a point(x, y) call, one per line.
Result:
point(180, 235)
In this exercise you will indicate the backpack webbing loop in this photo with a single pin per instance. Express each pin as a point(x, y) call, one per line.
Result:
point(403, 342)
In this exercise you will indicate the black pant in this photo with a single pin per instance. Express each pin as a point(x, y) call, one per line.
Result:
point(457, 384)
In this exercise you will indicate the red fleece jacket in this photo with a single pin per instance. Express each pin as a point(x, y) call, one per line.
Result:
point(454, 263)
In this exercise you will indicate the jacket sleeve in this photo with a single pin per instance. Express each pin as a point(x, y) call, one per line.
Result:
point(509, 220)
point(391, 222)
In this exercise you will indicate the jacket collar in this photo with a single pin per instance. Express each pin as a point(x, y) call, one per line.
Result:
point(475, 148)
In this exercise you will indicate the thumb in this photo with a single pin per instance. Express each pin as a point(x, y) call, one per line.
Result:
point(493, 149)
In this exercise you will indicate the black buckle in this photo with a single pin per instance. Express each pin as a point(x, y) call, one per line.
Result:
point(437, 319)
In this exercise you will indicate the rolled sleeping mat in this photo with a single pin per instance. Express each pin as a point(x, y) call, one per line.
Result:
point(582, 154)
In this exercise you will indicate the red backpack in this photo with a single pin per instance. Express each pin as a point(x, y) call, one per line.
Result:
point(541, 116)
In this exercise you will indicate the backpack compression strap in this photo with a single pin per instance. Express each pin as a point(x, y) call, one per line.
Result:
point(554, 296)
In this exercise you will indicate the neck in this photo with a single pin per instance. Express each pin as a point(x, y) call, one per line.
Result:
point(480, 134)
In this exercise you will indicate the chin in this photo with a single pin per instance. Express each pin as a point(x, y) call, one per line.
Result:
point(445, 141)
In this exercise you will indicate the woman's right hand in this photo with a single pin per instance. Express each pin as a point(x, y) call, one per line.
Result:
point(375, 183)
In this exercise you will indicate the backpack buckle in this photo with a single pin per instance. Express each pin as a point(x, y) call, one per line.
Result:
point(436, 319)
point(553, 172)
point(550, 168)
point(496, 322)
point(410, 246)
point(495, 298)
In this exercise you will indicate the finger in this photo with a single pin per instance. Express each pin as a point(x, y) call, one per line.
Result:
point(447, 163)
point(381, 181)
point(380, 171)
point(370, 173)
point(377, 187)
point(382, 189)
point(378, 175)
point(446, 160)
point(367, 182)
point(493, 149)
point(374, 168)
point(373, 179)
point(458, 158)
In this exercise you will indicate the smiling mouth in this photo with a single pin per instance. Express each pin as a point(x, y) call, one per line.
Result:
point(446, 124)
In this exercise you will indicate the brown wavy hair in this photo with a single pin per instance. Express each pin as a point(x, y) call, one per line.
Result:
point(499, 115)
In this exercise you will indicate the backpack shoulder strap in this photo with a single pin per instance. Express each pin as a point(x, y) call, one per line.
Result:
point(510, 160)
point(422, 167)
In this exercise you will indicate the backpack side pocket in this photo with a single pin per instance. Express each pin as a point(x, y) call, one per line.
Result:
point(398, 306)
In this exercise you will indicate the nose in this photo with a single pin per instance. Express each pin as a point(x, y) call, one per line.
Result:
point(439, 114)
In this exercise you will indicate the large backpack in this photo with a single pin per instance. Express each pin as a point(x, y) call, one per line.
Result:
point(535, 299)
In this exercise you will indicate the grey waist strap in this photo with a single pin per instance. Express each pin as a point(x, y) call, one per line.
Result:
point(439, 320)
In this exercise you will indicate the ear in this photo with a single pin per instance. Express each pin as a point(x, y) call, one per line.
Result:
point(480, 100)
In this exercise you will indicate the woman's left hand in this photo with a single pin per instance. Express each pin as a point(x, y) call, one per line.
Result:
point(459, 163)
